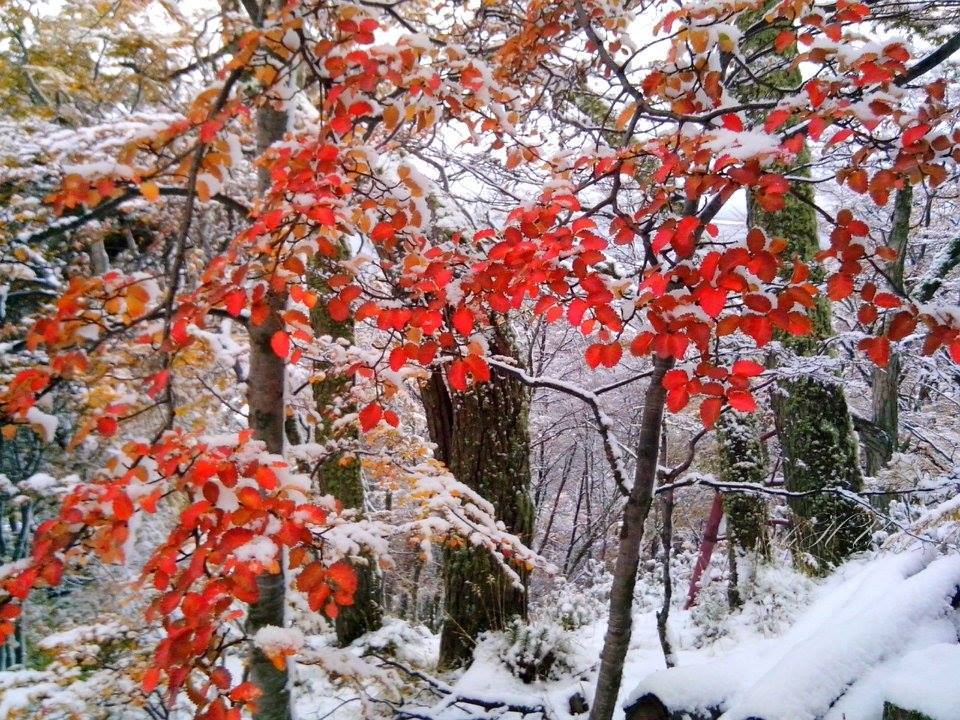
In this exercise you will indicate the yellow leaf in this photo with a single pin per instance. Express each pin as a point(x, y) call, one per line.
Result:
point(623, 119)
point(150, 190)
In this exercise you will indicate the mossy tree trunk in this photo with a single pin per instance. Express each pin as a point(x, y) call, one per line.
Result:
point(742, 460)
point(483, 438)
point(812, 418)
point(341, 475)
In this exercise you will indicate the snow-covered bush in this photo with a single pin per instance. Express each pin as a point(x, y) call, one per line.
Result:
point(574, 605)
point(533, 651)
point(711, 614)
point(777, 595)
point(413, 645)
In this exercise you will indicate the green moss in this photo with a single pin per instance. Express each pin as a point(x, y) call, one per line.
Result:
point(341, 475)
point(742, 460)
point(483, 437)
point(893, 712)
point(820, 451)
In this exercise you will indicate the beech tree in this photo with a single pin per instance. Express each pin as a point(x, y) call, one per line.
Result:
point(618, 241)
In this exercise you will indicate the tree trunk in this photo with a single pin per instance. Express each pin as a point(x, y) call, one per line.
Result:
point(483, 438)
point(812, 417)
point(341, 475)
point(707, 545)
point(886, 381)
point(265, 401)
point(742, 460)
point(635, 512)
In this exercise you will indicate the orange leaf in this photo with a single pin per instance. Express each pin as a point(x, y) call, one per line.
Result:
point(150, 190)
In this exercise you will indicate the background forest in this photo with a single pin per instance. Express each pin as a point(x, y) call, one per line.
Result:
point(514, 359)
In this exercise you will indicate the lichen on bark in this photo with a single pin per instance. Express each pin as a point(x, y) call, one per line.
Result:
point(483, 438)
point(341, 474)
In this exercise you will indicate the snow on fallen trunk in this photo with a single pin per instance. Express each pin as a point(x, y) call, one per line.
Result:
point(890, 607)
point(925, 681)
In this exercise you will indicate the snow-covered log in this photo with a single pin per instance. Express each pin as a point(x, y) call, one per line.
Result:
point(886, 634)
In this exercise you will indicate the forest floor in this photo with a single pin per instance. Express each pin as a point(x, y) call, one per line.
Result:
point(873, 631)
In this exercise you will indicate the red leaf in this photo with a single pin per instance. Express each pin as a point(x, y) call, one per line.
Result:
point(815, 93)
point(675, 378)
point(915, 134)
point(731, 121)
point(775, 120)
point(122, 507)
point(158, 382)
point(463, 321)
point(594, 355)
point(955, 350)
point(398, 356)
point(338, 310)
point(107, 425)
point(235, 302)
point(747, 368)
point(877, 349)
point(610, 354)
point(266, 478)
point(901, 326)
point(712, 299)
point(839, 286)
point(370, 416)
point(280, 342)
point(784, 40)
point(151, 678)
point(677, 399)
point(457, 375)
point(742, 400)
point(710, 411)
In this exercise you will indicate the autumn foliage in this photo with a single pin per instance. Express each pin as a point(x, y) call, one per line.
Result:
point(687, 149)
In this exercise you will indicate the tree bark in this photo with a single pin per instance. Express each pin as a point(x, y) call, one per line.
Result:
point(707, 545)
point(266, 386)
point(885, 389)
point(742, 460)
point(341, 474)
point(483, 437)
point(636, 510)
point(812, 417)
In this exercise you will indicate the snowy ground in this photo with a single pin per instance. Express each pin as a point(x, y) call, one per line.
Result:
point(836, 650)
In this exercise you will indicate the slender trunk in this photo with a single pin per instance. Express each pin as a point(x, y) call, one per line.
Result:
point(886, 381)
point(635, 512)
point(709, 542)
point(341, 474)
point(265, 401)
point(663, 614)
point(483, 438)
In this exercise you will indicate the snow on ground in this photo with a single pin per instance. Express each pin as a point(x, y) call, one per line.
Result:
point(874, 631)
point(869, 627)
